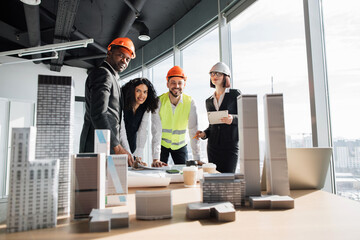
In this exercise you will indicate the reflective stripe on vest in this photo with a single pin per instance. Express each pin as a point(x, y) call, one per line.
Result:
point(174, 125)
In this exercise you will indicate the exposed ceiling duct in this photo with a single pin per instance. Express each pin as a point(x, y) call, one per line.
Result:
point(33, 24)
point(128, 20)
point(125, 23)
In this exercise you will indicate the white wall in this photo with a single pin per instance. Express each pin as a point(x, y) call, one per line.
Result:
point(18, 85)
point(19, 81)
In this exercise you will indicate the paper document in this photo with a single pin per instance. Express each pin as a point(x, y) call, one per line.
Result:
point(215, 116)
point(147, 179)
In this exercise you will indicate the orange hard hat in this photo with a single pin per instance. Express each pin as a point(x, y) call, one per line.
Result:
point(176, 71)
point(125, 43)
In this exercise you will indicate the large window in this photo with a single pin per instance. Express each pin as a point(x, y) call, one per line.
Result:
point(14, 114)
point(198, 58)
point(158, 72)
point(342, 35)
point(124, 80)
point(269, 56)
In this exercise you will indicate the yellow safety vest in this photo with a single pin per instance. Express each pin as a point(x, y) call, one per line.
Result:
point(174, 125)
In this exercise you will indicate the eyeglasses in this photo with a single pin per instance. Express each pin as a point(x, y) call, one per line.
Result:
point(218, 74)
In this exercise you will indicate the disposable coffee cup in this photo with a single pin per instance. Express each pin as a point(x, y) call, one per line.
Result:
point(190, 176)
point(209, 168)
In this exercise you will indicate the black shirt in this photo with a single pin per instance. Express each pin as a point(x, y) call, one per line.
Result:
point(132, 124)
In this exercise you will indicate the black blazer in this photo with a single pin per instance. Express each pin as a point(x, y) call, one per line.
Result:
point(224, 135)
point(103, 107)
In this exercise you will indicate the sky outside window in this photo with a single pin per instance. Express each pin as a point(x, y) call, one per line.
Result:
point(269, 55)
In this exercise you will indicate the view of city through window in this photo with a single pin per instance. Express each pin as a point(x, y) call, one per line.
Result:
point(342, 38)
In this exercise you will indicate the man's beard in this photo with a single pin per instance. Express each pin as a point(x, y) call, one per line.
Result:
point(174, 95)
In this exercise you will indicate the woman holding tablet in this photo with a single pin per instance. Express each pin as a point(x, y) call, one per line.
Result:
point(222, 148)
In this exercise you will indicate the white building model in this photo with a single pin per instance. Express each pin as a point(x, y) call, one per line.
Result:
point(55, 118)
point(33, 185)
point(117, 180)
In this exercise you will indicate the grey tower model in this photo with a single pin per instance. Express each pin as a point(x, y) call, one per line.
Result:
point(277, 178)
point(87, 183)
point(55, 117)
point(33, 185)
point(249, 143)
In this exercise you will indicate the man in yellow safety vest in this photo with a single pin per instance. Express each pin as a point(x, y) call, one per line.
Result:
point(176, 113)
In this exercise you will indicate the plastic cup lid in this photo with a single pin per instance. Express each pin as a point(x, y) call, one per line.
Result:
point(209, 165)
point(190, 168)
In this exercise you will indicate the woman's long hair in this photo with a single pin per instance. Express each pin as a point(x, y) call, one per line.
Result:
point(152, 101)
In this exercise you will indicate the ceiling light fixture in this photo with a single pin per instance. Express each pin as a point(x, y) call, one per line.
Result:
point(144, 34)
point(45, 49)
point(55, 56)
point(142, 29)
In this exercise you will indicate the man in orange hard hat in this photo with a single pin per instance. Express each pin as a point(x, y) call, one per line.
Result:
point(176, 114)
point(103, 99)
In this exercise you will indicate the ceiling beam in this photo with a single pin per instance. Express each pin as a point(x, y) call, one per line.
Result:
point(13, 34)
point(85, 57)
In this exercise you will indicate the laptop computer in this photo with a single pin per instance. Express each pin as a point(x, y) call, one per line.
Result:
point(307, 167)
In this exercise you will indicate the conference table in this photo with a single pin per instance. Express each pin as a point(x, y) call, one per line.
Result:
point(317, 215)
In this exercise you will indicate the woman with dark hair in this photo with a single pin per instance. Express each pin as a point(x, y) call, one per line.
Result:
point(223, 139)
point(140, 99)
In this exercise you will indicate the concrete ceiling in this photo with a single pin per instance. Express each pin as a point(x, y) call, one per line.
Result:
point(55, 21)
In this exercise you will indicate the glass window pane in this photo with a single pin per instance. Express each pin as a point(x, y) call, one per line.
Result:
point(269, 55)
point(123, 81)
point(342, 36)
point(198, 58)
point(158, 72)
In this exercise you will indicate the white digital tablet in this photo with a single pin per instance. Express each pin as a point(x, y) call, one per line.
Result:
point(216, 116)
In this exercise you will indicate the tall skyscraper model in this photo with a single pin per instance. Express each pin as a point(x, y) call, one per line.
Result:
point(33, 191)
point(55, 117)
point(277, 178)
point(249, 143)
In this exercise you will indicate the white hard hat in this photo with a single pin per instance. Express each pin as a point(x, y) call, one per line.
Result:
point(222, 68)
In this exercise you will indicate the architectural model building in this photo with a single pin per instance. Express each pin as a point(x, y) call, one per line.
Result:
point(103, 220)
point(102, 141)
point(277, 179)
point(88, 184)
point(152, 205)
point(116, 183)
point(54, 121)
point(272, 202)
point(224, 187)
point(32, 201)
point(223, 211)
point(249, 143)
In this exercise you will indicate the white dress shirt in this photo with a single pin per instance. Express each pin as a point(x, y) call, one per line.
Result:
point(221, 98)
